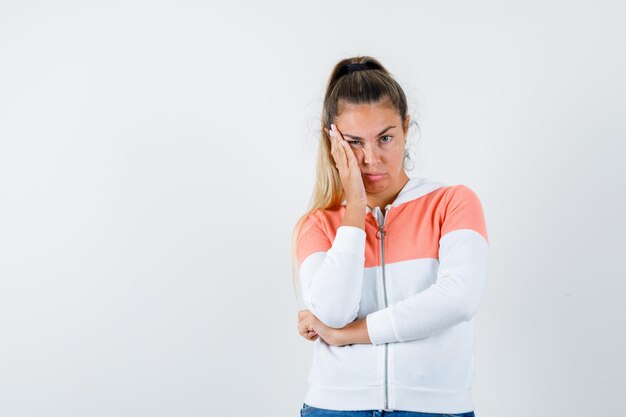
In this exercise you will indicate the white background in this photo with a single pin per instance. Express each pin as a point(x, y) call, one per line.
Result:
point(154, 157)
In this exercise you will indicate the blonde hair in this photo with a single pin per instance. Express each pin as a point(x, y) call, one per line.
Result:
point(359, 87)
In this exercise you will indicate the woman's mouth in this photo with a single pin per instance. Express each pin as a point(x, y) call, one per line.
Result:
point(374, 176)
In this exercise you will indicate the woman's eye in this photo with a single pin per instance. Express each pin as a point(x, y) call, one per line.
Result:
point(354, 142)
point(387, 136)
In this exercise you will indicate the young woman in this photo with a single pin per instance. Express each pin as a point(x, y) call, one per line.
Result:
point(392, 269)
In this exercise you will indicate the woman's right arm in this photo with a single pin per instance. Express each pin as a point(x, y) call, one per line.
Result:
point(331, 276)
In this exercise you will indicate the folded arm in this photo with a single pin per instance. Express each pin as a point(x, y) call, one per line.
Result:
point(464, 257)
point(452, 299)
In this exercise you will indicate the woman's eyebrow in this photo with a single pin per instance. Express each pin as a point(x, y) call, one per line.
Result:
point(356, 137)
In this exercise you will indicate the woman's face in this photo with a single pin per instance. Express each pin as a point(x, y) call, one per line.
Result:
point(375, 134)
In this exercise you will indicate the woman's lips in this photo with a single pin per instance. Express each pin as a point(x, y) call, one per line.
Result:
point(374, 177)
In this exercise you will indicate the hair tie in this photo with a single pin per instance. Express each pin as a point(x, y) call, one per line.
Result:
point(350, 68)
point(356, 67)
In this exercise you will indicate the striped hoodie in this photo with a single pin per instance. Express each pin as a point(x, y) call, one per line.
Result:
point(417, 274)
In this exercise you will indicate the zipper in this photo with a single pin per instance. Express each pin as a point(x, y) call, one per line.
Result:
point(381, 235)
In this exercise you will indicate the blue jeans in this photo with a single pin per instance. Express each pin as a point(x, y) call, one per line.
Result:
point(307, 410)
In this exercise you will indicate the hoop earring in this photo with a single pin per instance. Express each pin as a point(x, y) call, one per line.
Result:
point(407, 157)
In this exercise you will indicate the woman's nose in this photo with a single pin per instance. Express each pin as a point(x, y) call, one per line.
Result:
point(370, 154)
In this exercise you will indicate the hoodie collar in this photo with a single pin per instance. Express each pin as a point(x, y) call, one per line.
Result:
point(415, 188)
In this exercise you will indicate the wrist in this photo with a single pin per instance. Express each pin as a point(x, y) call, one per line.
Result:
point(354, 215)
point(356, 205)
point(335, 337)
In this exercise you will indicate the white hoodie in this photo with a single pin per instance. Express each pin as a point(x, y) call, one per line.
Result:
point(418, 286)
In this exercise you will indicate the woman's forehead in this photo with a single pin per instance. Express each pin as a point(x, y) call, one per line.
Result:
point(367, 119)
point(383, 108)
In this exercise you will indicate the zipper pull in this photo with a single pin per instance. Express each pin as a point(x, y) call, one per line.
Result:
point(381, 228)
point(381, 232)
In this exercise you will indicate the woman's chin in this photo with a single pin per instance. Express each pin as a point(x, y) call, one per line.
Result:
point(375, 186)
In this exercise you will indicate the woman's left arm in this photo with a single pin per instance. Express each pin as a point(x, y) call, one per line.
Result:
point(464, 257)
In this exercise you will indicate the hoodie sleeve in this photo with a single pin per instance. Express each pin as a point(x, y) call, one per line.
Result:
point(331, 275)
point(464, 257)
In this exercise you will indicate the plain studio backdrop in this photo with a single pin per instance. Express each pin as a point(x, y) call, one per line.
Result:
point(154, 157)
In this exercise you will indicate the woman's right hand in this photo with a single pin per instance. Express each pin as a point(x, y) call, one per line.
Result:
point(348, 167)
